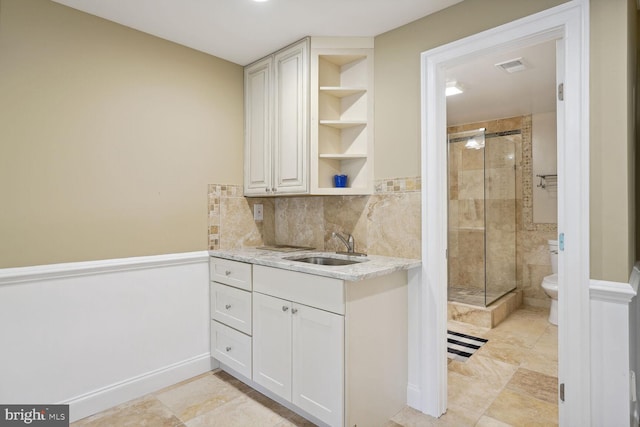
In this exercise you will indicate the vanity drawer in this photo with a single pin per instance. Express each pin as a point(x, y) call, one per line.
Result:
point(231, 347)
point(231, 306)
point(233, 273)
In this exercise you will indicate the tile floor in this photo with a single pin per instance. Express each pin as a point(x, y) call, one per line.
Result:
point(510, 381)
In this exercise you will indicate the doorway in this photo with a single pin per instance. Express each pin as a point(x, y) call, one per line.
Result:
point(573, 167)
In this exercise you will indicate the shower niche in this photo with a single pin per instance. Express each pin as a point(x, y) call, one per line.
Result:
point(481, 216)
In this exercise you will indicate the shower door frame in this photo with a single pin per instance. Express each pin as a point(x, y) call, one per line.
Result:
point(488, 248)
point(568, 24)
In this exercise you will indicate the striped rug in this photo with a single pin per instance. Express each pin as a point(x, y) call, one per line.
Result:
point(462, 346)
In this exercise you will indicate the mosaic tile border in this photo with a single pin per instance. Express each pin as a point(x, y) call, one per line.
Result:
point(214, 193)
point(527, 181)
point(398, 185)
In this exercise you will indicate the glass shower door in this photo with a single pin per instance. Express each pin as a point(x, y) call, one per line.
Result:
point(466, 219)
point(500, 216)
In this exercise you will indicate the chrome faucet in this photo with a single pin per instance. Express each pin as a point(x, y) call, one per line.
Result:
point(349, 243)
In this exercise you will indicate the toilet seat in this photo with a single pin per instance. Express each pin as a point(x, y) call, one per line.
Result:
point(550, 286)
point(551, 279)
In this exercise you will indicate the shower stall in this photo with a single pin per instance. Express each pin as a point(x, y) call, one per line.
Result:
point(481, 216)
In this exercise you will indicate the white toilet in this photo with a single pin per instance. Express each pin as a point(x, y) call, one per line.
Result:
point(550, 283)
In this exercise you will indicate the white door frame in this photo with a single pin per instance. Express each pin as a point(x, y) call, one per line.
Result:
point(569, 25)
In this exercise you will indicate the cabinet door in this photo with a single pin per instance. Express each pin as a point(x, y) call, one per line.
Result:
point(318, 363)
point(291, 110)
point(272, 344)
point(257, 127)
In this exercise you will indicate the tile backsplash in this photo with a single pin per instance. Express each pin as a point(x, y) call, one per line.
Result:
point(385, 223)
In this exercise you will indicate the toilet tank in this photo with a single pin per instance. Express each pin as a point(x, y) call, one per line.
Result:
point(553, 253)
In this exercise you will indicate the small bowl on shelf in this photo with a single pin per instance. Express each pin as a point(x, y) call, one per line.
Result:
point(340, 181)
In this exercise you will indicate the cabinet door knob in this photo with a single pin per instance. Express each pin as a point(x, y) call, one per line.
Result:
point(228, 349)
point(266, 190)
point(274, 189)
point(294, 310)
point(228, 306)
point(227, 272)
point(285, 308)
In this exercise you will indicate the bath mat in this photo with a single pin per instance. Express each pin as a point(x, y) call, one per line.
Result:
point(462, 346)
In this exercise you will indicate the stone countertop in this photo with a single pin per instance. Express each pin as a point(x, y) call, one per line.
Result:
point(371, 265)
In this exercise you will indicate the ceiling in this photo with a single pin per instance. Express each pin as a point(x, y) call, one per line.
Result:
point(242, 31)
point(491, 93)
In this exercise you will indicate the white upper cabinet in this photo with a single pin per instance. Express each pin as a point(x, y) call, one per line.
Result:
point(308, 117)
point(257, 127)
point(276, 123)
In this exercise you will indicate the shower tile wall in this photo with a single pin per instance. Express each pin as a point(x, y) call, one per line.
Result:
point(532, 257)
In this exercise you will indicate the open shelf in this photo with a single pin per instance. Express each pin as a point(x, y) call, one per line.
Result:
point(343, 124)
point(342, 132)
point(341, 92)
point(354, 168)
point(342, 156)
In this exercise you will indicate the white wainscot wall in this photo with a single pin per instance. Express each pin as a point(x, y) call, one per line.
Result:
point(615, 351)
point(96, 334)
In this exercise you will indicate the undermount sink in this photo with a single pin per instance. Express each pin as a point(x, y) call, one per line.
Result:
point(323, 260)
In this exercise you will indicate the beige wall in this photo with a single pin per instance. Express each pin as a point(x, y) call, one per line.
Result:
point(397, 73)
point(612, 154)
point(397, 109)
point(108, 138)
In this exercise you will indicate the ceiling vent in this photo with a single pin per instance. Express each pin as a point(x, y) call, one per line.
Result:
point(512, 65)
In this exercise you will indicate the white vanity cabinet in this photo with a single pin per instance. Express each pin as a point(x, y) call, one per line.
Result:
point(230, 309)
point(335, 349)
point(298, 355)
point(276, 123)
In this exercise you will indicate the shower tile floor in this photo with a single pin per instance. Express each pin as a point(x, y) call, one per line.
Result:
point(510, 381)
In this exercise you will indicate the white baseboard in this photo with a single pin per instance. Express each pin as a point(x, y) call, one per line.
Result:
point(133, 388)
point(413, 396)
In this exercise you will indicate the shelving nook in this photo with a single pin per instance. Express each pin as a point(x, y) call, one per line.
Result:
point(341, 114)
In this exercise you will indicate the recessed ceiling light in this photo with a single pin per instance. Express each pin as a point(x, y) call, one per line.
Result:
point(453, 88)
point(260, 1)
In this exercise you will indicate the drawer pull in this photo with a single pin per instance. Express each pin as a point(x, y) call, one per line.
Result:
point(228, 306)
point(227, 273)
point(285, 308)
point(294, 310)
point(228, 349)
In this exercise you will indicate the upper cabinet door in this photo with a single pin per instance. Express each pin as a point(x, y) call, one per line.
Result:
point(291, 111)
point(257, 127)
